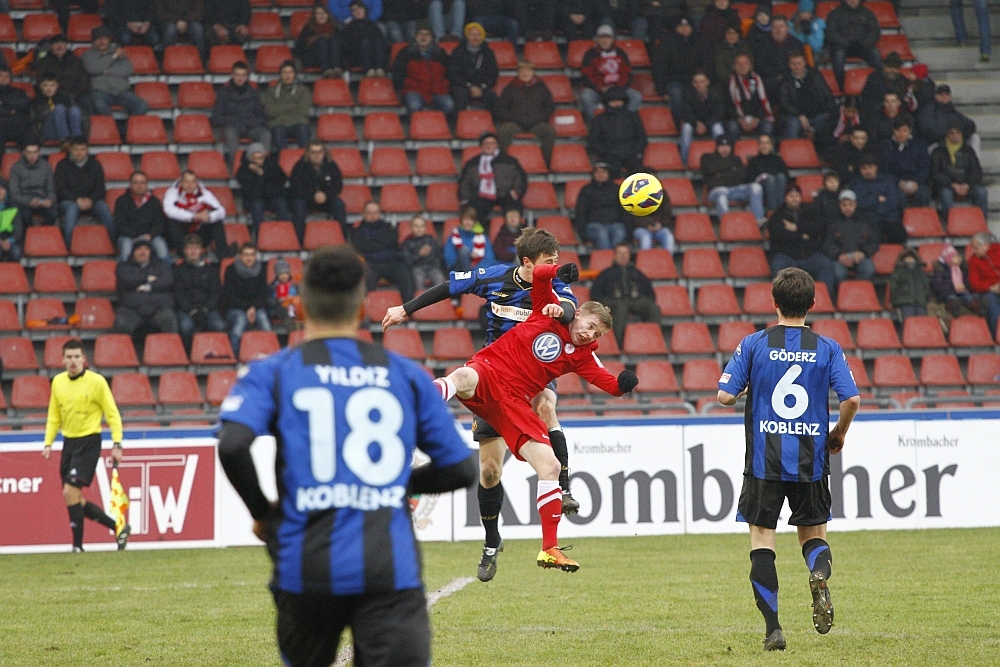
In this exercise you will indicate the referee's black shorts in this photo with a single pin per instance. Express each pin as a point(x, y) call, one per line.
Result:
point(483, 431)
point(761, 501)
point(79, 460)
point(390, 629)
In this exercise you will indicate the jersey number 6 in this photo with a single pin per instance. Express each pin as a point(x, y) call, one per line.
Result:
point(318, 403)
point(786, 387)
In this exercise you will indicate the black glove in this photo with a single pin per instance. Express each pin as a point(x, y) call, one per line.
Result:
point(627, 381)
point(568, 273)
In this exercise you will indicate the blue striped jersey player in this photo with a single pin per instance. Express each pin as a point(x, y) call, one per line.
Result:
point(786, 373)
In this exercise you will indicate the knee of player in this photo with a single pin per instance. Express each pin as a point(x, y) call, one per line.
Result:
point(465, 379)
point(71, 494)
point(489, 475)
point(545, 408)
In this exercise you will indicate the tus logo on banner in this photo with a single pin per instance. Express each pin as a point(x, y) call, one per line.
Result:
point(169, 506)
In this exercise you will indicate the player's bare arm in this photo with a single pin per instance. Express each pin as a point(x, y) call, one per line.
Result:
point(848, 409)
point(725, 398)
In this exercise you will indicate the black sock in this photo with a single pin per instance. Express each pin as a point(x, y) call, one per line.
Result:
point(818, 556)
point(95, 513)
point(76, 523)
point(764, 577)
point(490, 503)
point(559, 448)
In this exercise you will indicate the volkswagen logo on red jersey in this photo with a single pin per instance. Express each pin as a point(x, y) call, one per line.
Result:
point(547, 347)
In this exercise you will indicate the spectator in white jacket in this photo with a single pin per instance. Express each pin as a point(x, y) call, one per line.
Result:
point(191, 208)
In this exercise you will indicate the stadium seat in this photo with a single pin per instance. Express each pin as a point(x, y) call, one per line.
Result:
point(694, 228)
point(824, 304)
point(922, 222)
point(195, 95)
point(799, 153)
point(966, 221)
point(51, 312)
point(354, 197)
point(257, 345)
point(656, 264)
point(835, 329)
point(118, 166)
point(571, 191)
point(116, 351)
point(702, 264)
point(885, 12)
point(885, 258)
point(336, 127)
point(104, 131)
point(30, 392)
point(716, 300)
point(266, 25)
point(469, 306)
point(544, 55)
point(8, 33)
point(575, 51)
point(382, 126)
point(472, 123)
point(893, 370)
point(209, 165)
point(656, 377)
point(52, 356)
point(969, 331)
point(644, 338)
point(322, 232)
point(635, 49)
point(442, 197)
point(270, 57)
point(452, 343)
point(561, 88)
point(182, 59)
point(429, 126)
point(91, 240)
point(662, 156)
point(132, 390)
point(13, 280)
point(530, 158)
point(156, 94)
point(855, 79)
point(442, 311)
point(222, 57)
point(218, 385)
point(180, 388)
point(745, 149)
point(37, 27)
point(857, 296)
point(757, 299)
point(568, 123)
point(984, 369)
point(732, 333)
point(164, 349)
point(377, 302)
point(237, 233)
point(748, 262)
point(809, 184)
point(569, 385)
point(898, 43)
point(54, 278)
point(377, 91)
point(80, 27)
point(159, 165)
point(541, 196)
point(193, 129)
point(697, 149)
point(570, 159)
point(391, 161)
point(700, 375)
point(607, 346)
point(349, 161)
point(739, 227)
point(691, 338)
point(405, 342)
point(940, 370)
point(560, 226)
point(878, 334)
point(923, 331)
point(400, 198)
point(9, 320)
point(288, 157)
point(332, 93)
point(211, 348)
point(600, 259)
point(929, 253)
point(504, 53)
point(680, 191)
point(95, 314)
point(658, 121)
point(18, 354)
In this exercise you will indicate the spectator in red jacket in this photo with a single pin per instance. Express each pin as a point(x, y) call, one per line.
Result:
point(420, 73)
point(605, 66)
point(984, 276)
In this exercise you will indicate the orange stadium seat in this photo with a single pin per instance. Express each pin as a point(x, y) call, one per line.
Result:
point(400, 198)
point(266, 25)
point(923, 331)
point(81, 25)
point(160, 165)
point(831, 82)
point(694, 228)
point(164, 349)
point(738, 227)
point(354, 197)
point(336, 127)
point(680, 191)
point(208, 165)
point(18, 354)
point(182, 59)
point(377, 302)
point(322, 232)
point(270, 57)
point(984, 369)
point(53, 278)
point(452, 343)
point(700, 375)
point(835, 329)
point(658, 121)
point(257, 345)
point(392, 161)
point(442, 311)
point(195, 95)
point(143, 60)
point(405, 342)
point(104, 131)
point(96, 314)
point(799, 153)
point(297, 22)
point(717, 300)
point(222, 57)
point(91, 241)
point(857, 296)
point(44, 242)
point(132, 390)
point(8, 33)
point(691, 338)
point(969, 331)
point(504, 53)
point(180, 388)
point(885, 258)
point(30, 392)
point(662, 156)
point(156, 94)
point(560, 226)
point(656, 377)
point(218, 385)
point(878, 334)
point(748, 262)
point(350, 162)
point(732, 333)
point(568, 123)
point(237, 233)
point(560, 87)
point(745, 149)
point(472, 123)
point(570, 159)
point(644, 338)
point(940, 370)
point(442, 197)
point(544, 55)
point(702, 264)
point(377, 92)
point(118, 166)
point(635, 49)
point(193, 129)
point(922, 222)
point(966, 221)
point(37, 27)
point(893, 370)
point(429, 126)
point(757, 299)
point(600, 259)
point(383, 126)
point(541, 195)
point(854, 80)
point(608, 346)
point(13, 280)
point(571, 191)
point(530, 157)
point(656, 264)
point(885, 12)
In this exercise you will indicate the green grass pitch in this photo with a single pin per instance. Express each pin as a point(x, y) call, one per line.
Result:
point(901, 598)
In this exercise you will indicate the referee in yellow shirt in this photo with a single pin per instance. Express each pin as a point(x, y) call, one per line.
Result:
point(79, 398)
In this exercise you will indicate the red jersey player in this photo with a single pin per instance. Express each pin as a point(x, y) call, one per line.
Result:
point(499, 382)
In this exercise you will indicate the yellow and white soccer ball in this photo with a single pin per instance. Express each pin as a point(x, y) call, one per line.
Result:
point(641, 194)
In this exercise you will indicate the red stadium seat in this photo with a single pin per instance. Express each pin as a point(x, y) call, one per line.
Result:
point(442, 197)
point(658, 121)
point(211, 348)
point(13, 280)
point(893, 370)
point(391, 161)
point(878, 334)
point(297, 22)
point(885, 12)
point(656, 377)
point(732, 333)
point(54, 278)
point(332, 93)
point(541, 195)
point(118, 166)
point(218, 386)
point(569, 385)
point(472, 123)
point(635, 49)
point(182, 59)
point(222, 57)
point(336, 127)
point(560, 87)
point(697, 149)
point(969, 331)
point(95, 313)
point(923, 331)
point(831, 82)
point(8, 33)
point(37, 27)
point(717, 300)
point(164, 349)
point(680, 191)
point(835, 329)
point(349, 161)
point(544, 55)
point(195, 95)
point(929, 253)
point(824, 304)
point(429, 126)
point(257, 345)
point(885, 258)
point(208, 165)
point(44, 242)
point(600, 259)
point(757, 299)
point(30, 392)
point(857, 296)
point(266, 25)
point(405, 342)
point(739, 227)
point(922, 222)
point(18, 354)
point(504, 53)
point(854, 80)
point(748, 262)
point(383, 126)
point(799, 153)
point(452, 343)
point(9, 320)
point(570, 159)
point(608, 346)
point(694, 228)
point(700, 375)
point(104, 131)
point(80, 27)
point(156, 94)
point(91, 241)
point(984, 369)
point(576, 50)
point(702, 264)
point(179, 388)
point(377, 302)
point(270, 57)
point(656, 264)
point(115, 351)
point(470, 305)
point(560, 227)
point(442, 311)
point(193, 129)
point(940, 370)
point(52, 356)
point(237, 233)
point(897, 43)
point(662, 156)
point(354, 197)
point(530, 157)
point(320, 233)
point(376, 91)
point(400, 198)
point(571, 191)
point(132, 390)
point(691, 338)
point(966, 221)
point(159, 165)
point(568, 123)
point(644, 338)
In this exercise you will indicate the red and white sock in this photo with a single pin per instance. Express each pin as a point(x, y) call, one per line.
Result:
point(550, 510)
point(446, 387)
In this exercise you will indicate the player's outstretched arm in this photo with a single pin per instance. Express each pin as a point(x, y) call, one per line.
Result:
point(398, 314)
point(591, 370)
point(848, 409)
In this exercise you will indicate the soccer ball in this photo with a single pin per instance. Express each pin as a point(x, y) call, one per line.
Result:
point(640, 194)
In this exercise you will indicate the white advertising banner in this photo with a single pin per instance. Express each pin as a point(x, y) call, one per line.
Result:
point(632, 477)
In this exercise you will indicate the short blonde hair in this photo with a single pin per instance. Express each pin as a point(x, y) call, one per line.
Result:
point(599, 310)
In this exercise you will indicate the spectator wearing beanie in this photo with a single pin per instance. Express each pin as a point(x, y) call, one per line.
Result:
point(473, 71)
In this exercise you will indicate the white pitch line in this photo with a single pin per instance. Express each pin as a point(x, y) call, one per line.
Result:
point(454, 586)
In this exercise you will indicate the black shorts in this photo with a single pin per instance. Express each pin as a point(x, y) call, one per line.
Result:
point(389, 629)
point(483, 431)
point(79, 460)
point(761, 501)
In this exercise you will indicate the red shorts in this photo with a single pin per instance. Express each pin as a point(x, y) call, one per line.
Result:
point(507, 412)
